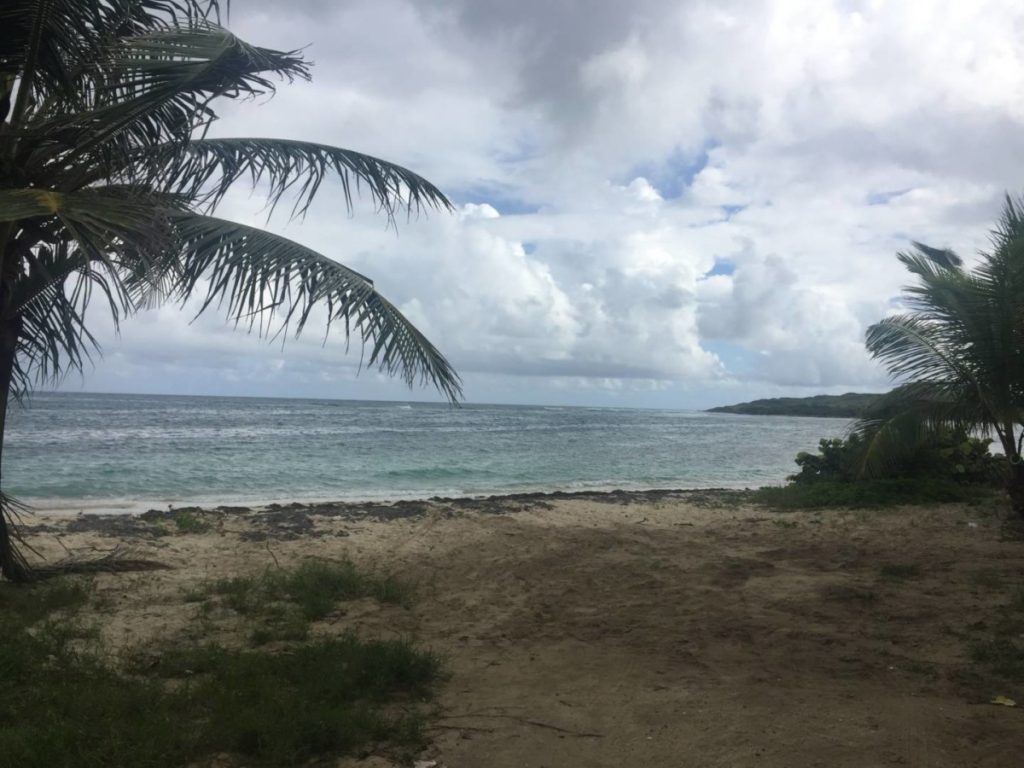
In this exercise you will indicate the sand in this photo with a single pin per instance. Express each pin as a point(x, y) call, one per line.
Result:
point(659, 629)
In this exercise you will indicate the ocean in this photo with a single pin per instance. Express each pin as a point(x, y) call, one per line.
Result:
point(92, 451)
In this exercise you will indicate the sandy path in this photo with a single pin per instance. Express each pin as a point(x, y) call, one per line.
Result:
point(663, 632)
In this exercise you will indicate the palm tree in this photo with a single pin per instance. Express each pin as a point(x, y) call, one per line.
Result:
point(959, 349)
point(108, 183)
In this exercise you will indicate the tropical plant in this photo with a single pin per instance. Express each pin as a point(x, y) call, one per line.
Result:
point(960, 349)
point(941, 454)
point(109, 178)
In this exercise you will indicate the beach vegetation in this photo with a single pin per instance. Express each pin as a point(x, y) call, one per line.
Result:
point(900, 571)
point(314, 587)
point(997, 648)
point(941, 455)
point(958, 351)
point(870, 493)
point(189, 522)
point(66, 701)
point(110, 179)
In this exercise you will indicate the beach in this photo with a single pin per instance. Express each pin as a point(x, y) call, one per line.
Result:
point(627, 629)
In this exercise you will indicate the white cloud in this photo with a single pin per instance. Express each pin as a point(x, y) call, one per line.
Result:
point(605, 156)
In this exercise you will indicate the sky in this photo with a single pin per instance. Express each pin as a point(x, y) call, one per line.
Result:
point(659, 203)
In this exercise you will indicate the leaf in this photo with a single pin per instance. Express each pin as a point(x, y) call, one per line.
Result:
point(1003, 701)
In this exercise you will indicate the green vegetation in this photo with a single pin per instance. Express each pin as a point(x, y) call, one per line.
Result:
point(64, 702)
point(282, 603)
point(849, 406)
point(900, 571)
point(189, 522)
point(959, 348)
point(942, 456)
point(109, 178)
point(947, 468)
point(869, 494)
point(998, 647)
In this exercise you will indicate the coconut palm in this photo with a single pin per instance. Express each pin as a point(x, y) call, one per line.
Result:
point(109, 180)
point(959, 350)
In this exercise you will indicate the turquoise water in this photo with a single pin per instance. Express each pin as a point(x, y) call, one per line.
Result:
point(65, 449)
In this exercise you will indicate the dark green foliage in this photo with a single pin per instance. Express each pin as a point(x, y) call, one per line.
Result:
point(836, 460)
point(188, 522)
point(63, 703)
point(941, 454)
point(848, 406)
point(323, 698)
point(868, 494)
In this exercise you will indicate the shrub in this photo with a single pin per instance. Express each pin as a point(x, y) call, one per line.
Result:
point(946, 456)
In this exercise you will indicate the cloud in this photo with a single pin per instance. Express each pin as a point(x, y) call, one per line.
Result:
point(604, 158)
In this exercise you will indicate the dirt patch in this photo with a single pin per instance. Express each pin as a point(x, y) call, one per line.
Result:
point(658, 629)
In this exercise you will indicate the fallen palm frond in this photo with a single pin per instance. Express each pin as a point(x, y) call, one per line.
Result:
point(112, 562)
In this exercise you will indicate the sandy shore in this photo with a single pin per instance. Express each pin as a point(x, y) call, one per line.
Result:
point(637, 629)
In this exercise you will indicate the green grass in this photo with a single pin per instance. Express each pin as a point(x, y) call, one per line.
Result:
point(189, 522)
point(22, 606)
point(1001, 656)
point(868, 494)
point(900, 571)
point(315, 587)
point(998, 648)
point(64, 702)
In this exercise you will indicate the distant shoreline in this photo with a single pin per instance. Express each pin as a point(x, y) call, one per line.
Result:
point(847, 406)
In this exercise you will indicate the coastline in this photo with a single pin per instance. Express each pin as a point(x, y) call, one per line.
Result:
point(105, 507)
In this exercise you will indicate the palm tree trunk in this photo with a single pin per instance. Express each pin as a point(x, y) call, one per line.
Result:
point(12, 564)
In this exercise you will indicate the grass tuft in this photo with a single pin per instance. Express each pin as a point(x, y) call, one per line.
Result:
point(900, 571)
point(315, 587)
point(190, 522)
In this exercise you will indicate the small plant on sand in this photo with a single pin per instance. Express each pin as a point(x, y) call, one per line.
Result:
point(315, 586)
point(189, 522)
point(284, 601)
point(900, 571)
point(997, 648)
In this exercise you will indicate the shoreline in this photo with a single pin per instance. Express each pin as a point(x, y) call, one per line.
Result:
point(69, 508)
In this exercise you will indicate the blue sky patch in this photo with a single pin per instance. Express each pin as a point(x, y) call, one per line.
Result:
point(502, 200)
point(722, 267)
point(735, 358)
point(673, 175)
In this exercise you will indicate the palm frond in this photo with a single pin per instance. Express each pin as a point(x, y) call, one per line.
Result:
point(914, 348)
point(898, 424)
point(271, 284)
point(49, 44)
point(205, 169)
point(149, 90)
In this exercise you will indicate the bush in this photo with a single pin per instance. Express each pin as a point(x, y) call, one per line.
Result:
point(947, 456)
point(863, 494)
